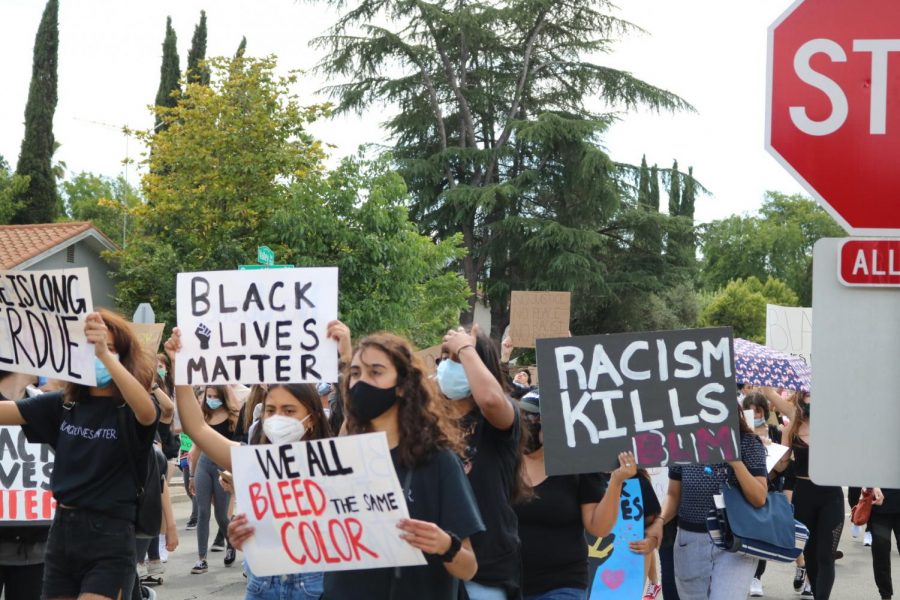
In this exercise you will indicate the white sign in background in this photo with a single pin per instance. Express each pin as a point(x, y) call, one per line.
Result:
point(327, 505)
point(257, 326)
point(789, 330)
point(42, 315)
point(25, 470)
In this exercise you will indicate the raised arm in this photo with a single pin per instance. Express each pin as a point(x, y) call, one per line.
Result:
point(486, 390)
point(210, 441)
point(137, 397)
point(599, 518)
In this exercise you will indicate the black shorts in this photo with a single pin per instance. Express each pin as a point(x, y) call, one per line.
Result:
point(88, 553)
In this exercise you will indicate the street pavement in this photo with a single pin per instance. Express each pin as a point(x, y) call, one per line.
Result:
point(854, 579)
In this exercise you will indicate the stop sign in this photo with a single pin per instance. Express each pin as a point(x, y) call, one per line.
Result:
point(833, 115)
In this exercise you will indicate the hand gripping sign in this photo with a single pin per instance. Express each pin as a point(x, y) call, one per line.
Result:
point(325, 505)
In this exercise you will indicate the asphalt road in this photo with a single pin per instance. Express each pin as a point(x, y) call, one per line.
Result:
point(854, 579)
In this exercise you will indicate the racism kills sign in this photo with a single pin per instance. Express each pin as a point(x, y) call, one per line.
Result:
point(257, 326)
point(42, 316)
point(326, 505)
point(667, 396)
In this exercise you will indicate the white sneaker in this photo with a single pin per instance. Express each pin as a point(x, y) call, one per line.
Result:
point(756, 589)
point(867, 540)
point(163, 553)
point(807, 591)
point(155, 568)
point(855, 531)
point(141, 570)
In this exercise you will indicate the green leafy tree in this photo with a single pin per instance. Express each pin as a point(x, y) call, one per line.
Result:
point(777, 242)
point(107, 202)
point(197, 70)
point(169, 72)
point(12, 187)
point(39, 202)
point(742, 305)
point(493, 131)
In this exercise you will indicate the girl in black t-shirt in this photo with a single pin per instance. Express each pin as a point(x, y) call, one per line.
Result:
point(386, 389)
point(91, 549)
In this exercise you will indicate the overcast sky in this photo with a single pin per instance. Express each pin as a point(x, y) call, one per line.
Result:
point(710, 52)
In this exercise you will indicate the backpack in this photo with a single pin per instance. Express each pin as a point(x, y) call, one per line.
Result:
point(148, 514)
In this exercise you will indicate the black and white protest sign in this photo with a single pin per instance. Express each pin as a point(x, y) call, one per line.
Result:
point(261, 326)
point(25, 469)
point(326, 505)
point(42, 316)
point(667, 396)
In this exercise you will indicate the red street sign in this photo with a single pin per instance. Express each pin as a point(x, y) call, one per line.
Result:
point(870, 263)
point(833, 115)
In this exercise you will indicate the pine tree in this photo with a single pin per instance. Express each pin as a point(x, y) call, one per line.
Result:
point(169, 72)
point(674, 191)
point(197, 72)
point(242, 48)
point(39, 202)
point(654, 189)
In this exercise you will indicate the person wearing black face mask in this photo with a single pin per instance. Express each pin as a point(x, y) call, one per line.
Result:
point(386, 389)
point(552, 523)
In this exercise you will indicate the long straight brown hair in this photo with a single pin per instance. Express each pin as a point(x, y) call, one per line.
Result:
point(132, 355)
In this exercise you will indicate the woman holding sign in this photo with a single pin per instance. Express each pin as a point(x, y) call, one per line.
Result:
point(98, 434)
point(702, 570)
point(387, 389)
point(290, 413)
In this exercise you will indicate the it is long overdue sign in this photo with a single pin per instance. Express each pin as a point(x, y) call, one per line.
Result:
point(667, 396)
point(42, 316)
point(328, 505)
point(264, 326)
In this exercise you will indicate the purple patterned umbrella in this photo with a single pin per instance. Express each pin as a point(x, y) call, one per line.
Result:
point(761, 366)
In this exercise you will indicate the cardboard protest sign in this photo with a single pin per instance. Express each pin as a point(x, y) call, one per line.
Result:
point(789, 330)
point(42, 316)
point(667, 396)
point(327, 505)
point(534, 315)
point(429, 356)
point(150, 335)
point(25, 468)
point(260, 326)
point(615, 572)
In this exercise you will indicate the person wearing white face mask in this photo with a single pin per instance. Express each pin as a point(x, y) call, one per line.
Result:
point(472, 380)
point(290, 413)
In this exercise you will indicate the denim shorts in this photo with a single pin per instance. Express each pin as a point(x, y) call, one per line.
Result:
point(299, 586)
point(88, 553)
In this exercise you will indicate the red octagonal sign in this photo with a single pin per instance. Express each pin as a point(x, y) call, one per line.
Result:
point(833, 117)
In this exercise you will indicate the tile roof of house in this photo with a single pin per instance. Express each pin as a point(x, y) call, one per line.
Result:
point(19, 243)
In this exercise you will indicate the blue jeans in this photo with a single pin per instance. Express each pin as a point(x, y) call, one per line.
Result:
point(299, 586)
point(477, 591)
point(560, 594)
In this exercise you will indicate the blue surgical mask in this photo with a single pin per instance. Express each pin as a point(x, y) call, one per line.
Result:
point(213, 403)
point(103, 376)
point(759, 422)
point(451, 378)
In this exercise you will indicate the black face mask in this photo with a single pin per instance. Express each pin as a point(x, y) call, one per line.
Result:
point(534, 437)
point(369, 402)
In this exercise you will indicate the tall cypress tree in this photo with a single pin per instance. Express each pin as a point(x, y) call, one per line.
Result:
point(39, 200)
point(196, 72)
point(675, 191)
point(242, 48)
point(654, 189)
point(169, 72)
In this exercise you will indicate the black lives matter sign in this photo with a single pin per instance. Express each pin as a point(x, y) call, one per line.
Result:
point(257, 326)
point(667, 396)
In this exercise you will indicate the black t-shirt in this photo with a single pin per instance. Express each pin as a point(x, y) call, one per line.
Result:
point(554, 554)
point(91, 466)
point(438, 493)
point(490, 463)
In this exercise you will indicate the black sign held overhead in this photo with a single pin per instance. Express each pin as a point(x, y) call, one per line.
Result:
point(667, 396)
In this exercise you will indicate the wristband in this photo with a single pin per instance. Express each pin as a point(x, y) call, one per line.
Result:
point(458, 352)
point(455, 545)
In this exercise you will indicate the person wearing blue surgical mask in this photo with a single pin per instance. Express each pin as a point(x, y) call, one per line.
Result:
point(221, 412)
point(471, 380)
point(98, 433)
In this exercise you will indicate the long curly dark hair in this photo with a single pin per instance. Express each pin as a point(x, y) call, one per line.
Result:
point(424, 422)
